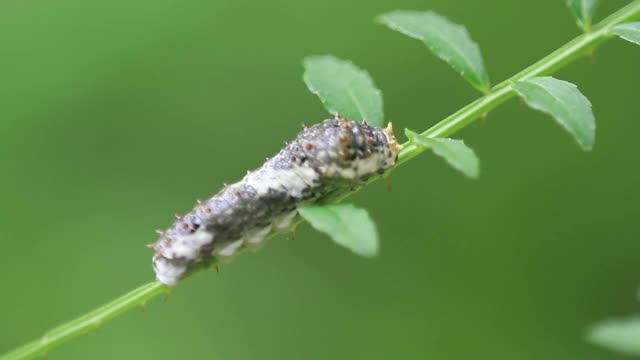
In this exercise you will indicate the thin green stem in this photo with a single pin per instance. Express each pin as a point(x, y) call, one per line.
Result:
point(580, 46)
point(87, 322)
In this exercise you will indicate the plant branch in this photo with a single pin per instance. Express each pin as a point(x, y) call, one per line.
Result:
point(580, 46)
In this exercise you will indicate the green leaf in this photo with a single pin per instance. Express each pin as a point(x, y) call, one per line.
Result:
point(346, 224)
point(564, 102)
point(628, 31)
point(455, 152)
point(621, 334)
point(344, 88)
point(448, 41)
point(582, 10)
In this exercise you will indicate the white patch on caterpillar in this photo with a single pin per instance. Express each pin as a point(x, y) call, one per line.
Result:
point(370, 164)
point(294, 180)
point(290, 180)
point(167, 272)
point(358, 168)
point(308, 175)
point(188, 246)
point(284, 221)
point(346, 173)
point(256, 236)
point(262, 180)
point(228, 249)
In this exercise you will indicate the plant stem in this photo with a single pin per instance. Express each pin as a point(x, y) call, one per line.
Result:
point(582, 45)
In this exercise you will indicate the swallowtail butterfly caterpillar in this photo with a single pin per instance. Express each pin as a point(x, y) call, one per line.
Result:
point(333, 154)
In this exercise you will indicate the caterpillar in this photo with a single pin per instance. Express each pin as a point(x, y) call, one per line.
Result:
point(334, 154)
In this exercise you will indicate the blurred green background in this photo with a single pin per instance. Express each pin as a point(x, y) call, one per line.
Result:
point(116, 114)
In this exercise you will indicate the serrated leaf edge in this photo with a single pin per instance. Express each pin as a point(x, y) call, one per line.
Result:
point(484, 86)
point(584, 146)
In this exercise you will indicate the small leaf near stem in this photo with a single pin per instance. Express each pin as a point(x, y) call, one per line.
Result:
point(621, 334)
point(344, 88)
point(455, 152)
point(346, 224)
point(583, 11)
point(628, 31)
point(564, 102)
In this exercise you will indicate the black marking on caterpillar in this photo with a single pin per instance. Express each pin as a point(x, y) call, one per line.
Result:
point(335, 153)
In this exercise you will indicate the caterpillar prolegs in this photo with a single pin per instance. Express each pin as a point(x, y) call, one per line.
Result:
point(333, 154)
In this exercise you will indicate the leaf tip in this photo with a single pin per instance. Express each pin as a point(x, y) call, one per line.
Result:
point(409, 134)
point(380, 19)
point(587, 146)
